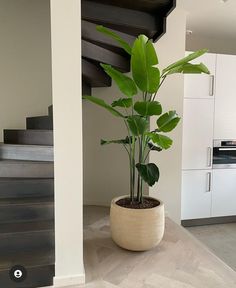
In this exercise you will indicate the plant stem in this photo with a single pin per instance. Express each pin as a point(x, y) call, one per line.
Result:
point(130, 164)
point(133, 167)
point(163, 79)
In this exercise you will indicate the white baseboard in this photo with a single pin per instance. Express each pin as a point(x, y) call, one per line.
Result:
point(70, 280)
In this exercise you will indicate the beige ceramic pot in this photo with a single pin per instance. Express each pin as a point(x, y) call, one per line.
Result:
point(136, 229)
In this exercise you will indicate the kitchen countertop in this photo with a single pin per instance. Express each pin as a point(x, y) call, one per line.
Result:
point(180, 261)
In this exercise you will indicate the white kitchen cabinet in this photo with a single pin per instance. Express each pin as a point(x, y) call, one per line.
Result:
point(196, 194)
point(224, 192)
point(201, 85)
point(197, 133)
point(225, 99)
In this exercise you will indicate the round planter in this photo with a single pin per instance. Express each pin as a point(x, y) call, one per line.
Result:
point(136, 229)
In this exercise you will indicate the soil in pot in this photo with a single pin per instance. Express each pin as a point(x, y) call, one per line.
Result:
point(146, 204)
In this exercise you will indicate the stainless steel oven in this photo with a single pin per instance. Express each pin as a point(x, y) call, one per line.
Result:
point(224, 154)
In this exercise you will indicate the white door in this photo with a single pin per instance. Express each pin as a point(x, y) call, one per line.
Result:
point(197, 133)
point(201, 85)
point(224, 192)
point(196, 194)
point(225, 99)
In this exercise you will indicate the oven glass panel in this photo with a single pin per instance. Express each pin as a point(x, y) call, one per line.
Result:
point(224, 155)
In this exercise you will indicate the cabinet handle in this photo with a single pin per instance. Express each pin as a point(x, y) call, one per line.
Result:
point(209, 156)
point(212, 80)
point(208, 182)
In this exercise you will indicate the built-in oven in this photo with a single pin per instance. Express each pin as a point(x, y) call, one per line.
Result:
point(224, 154)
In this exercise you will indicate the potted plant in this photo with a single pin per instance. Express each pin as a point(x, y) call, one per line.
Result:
point(137, 221)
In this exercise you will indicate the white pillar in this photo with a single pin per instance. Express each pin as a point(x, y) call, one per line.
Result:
point(67, 109)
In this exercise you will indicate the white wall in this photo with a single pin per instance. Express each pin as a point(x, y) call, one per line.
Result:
point(106, 170)
point(25, 61)
point(67, 113)
point(106, 173)
point(215, 45)
point(171, 47)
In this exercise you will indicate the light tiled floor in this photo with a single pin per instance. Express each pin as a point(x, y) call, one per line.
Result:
point(179, 261)
point(221, 239)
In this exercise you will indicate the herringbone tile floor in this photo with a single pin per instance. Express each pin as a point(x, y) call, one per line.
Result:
point(179, 261)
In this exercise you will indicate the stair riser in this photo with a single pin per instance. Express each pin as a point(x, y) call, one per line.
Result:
point(17, 245)
point(26, 188)
point(33, 153)
point(50, 111)
point(26, 170)
point(27, 226)
point(40, 276)
point(28, 137)
point(26, 213)
point(40, 123)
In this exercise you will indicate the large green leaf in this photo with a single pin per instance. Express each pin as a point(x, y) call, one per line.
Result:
point(137, 124)
point(189, 68)
point(127, 140)
point(143, 58)
point(168, 121)
point(103, 104)
point(149, 173)
point(146, 108)
point(123, 102)
point(186, 59)
point(153, 147)
point(161, 140)
point(125, 83)
point(115, 37)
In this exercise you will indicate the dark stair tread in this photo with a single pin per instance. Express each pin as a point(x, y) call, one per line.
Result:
point(28, 137)
point(26, 200)
point(126, 20)
point(44, 257)
point(26, 152)
point(22, 168)
point(159, 6)
point(94, 75)
point(99, 54)
point(37, 276)
point(21, 188)
point(27, 226)
point(19, 213)
point(14, 243)
point(90, 34)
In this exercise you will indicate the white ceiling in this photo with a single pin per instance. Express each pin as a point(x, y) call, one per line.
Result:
point(211, 18)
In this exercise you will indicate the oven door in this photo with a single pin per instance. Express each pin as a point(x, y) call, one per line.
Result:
point(224, 157)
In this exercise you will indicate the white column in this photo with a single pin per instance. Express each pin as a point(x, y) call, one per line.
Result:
point(67, 109)
point(170, 48)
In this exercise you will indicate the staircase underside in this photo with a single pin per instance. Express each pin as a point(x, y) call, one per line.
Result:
point(129, 19)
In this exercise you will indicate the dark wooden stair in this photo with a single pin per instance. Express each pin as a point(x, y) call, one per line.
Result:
point(39, 122)
point(27, 203)
point(26, 152)
point(129, 19)
point(28, 137)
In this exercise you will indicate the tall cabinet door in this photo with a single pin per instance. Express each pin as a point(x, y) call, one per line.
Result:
point(225, 100)
point(224, 192)
point(201, 85)
point(197, 133)
point(196, 194)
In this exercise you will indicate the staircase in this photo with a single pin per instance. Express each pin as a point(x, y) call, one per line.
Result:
point(27, 203)
point(128, 18)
